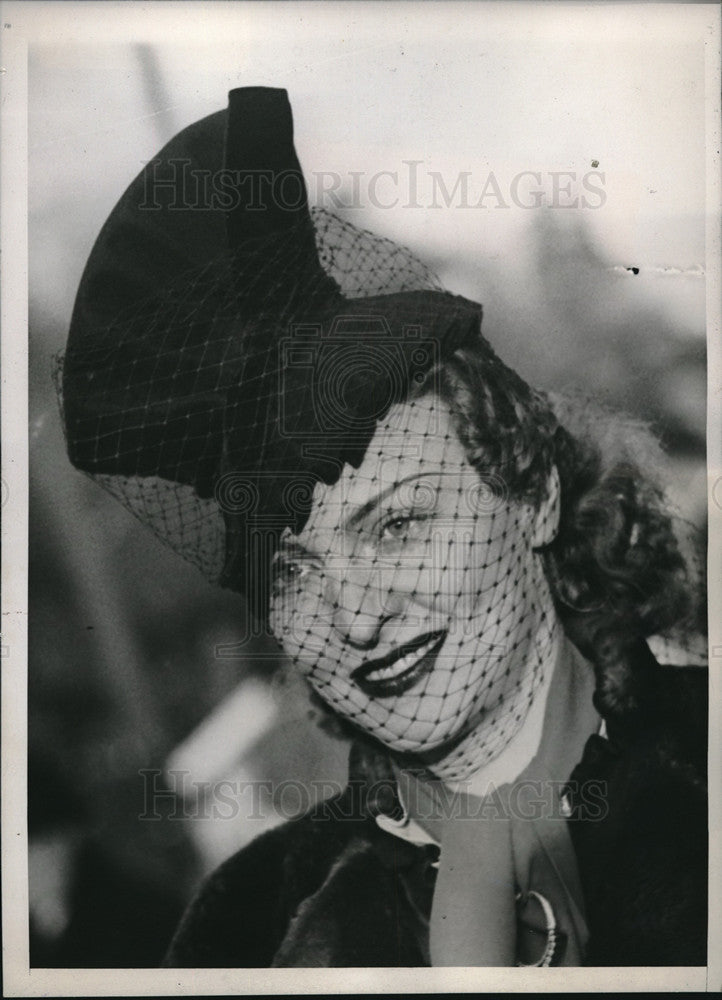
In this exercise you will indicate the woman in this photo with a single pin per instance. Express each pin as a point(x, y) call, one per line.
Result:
point(463, 579)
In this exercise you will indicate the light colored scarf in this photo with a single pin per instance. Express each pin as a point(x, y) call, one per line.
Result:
point(499, 850)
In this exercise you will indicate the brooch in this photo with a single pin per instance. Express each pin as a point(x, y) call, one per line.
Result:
point(551, 930)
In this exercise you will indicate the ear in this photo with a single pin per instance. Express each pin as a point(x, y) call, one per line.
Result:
point(546, 517)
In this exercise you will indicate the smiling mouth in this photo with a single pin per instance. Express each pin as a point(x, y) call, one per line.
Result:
point(400, 669)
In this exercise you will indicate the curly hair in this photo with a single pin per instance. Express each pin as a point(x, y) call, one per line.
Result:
point(615, 567)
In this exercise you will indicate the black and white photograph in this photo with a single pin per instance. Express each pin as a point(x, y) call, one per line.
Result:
point(362, 488)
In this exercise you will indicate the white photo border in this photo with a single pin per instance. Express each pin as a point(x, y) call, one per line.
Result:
point(22, 23)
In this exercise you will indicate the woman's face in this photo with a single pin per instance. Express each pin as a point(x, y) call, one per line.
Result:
point(408, 598)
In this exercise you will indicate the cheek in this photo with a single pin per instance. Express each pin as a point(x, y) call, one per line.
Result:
point(459, 573)
point(432, 575)
point(300, 619)
point(306, 647)
point(498, 562)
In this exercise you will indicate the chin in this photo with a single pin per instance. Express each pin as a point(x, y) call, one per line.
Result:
point(434, 745)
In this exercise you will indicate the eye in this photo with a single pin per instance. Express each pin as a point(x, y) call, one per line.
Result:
point(290, 571)
point(294, 571)
point(404, 527)
point(395, 529)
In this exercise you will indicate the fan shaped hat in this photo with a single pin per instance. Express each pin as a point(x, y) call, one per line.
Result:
point(229, 347)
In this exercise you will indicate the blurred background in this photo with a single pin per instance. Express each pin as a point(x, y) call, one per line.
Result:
point(140, 689)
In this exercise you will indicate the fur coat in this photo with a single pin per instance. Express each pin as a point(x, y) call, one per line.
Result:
point(333, 889)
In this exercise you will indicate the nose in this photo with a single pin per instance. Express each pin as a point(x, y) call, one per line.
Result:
point(360, 606)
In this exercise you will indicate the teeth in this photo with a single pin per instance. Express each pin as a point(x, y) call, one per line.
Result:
point(398, 667)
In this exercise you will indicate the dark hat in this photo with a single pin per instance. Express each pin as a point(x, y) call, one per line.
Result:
point(229, 348)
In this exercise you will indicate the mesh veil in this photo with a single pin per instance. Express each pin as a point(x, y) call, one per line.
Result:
point(274, 415)
point(408, 591)
point(361, 265)
point(413, 599)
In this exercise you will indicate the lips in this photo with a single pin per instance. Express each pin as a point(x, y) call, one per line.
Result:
point(400, 669)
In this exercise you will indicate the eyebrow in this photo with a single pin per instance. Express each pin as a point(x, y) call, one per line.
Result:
point(291, 546)
point(371, 504)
